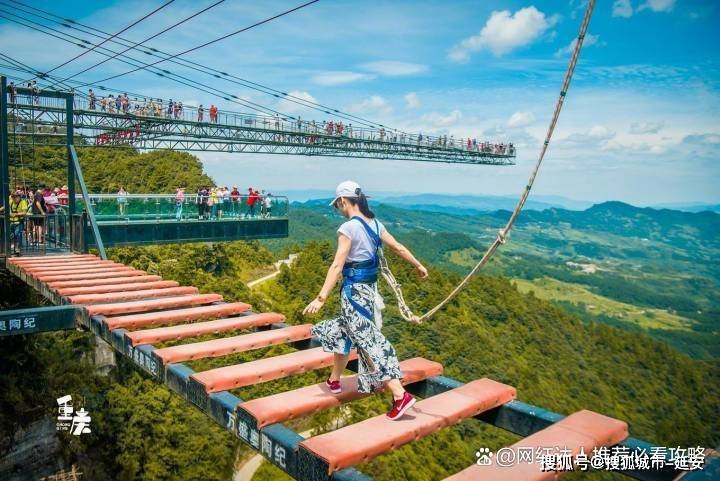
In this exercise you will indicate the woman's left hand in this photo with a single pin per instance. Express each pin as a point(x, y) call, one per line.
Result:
point(313, 307)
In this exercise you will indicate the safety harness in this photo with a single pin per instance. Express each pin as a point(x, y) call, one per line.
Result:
point(364, 271)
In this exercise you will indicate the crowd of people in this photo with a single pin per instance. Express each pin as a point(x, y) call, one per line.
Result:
point(122, 103)
point(174, 109)
point(221, 202)
point(28, 211)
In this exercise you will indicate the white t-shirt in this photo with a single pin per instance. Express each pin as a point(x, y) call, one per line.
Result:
point(362, 247)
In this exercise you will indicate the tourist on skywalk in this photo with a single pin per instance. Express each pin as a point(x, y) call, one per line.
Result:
point(170, 108)
point(202, 198)
point(51, 200)
point(267, 203)
point(219, 202)
point(252, 198)
point(13, 92)
point(179, 201)
point(91, 99)
point(39, 213)
point(213, 113)
point(209, 210)
point(63, 198)
point(226, 201)
point(18, 211)
point(122, 201)
point(35, 92)
point(357, 259)
point(124, 103)
point(235, 199)
point(213, 202)
point(118, 104)
point(261, 201)
point(201, 111)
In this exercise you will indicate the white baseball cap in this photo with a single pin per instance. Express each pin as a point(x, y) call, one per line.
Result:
point(345, 189)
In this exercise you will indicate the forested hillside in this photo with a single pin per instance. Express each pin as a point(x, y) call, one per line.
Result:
point(639, 269)
point(106, 170)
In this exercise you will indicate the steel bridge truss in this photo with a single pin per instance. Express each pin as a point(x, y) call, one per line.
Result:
point(112, 129)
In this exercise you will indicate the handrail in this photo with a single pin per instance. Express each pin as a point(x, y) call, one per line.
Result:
point(88, 205)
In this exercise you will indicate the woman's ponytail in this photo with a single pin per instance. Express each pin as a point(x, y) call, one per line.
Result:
point(362, 204)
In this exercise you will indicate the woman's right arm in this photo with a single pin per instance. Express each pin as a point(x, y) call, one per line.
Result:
point(332, 276)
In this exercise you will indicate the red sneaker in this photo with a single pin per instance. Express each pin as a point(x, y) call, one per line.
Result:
point(401, 405)
point(334, 386)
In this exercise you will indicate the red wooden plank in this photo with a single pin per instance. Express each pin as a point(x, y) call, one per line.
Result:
point(230, 345)
point(151, 305)
point(263, 370)
point(93, 275)
point(281, 407)
point(175, 316)
point(105, 281)
point(26, 260)
point(132, 295)
point(582, 430)
point(44, 274)
point(184, 331)
point(69, 266)
point(104, 288)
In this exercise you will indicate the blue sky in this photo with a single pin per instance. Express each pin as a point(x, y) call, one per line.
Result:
point(640, 122)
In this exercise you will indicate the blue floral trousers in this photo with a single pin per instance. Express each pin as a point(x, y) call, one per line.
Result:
point(377, 360)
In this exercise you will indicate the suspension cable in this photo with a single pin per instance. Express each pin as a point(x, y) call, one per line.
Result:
point(72, 24)
point(502, 235)
point(162, 73)
point(244, 29)
point(136, 44)
point(146, 16)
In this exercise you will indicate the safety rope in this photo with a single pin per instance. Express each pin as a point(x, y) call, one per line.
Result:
point(502, 235)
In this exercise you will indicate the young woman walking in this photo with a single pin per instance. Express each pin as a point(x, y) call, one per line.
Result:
point(357, 260)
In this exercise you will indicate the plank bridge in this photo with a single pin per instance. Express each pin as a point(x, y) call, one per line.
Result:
point(132, 310)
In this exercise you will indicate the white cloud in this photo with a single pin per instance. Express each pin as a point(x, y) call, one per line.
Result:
point(590, 40)
point(340, 77)
point(504, 32)
point(373, 104)
point(657, 5)
point(638, 128)
point(412, 101)
point(597, 133)
point(622, 8)
point(440, 120)
point(391, 68)
point(520, 119)
point(290, 107)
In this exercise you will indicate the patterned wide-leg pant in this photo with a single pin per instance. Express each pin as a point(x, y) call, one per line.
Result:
point(377, 360)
